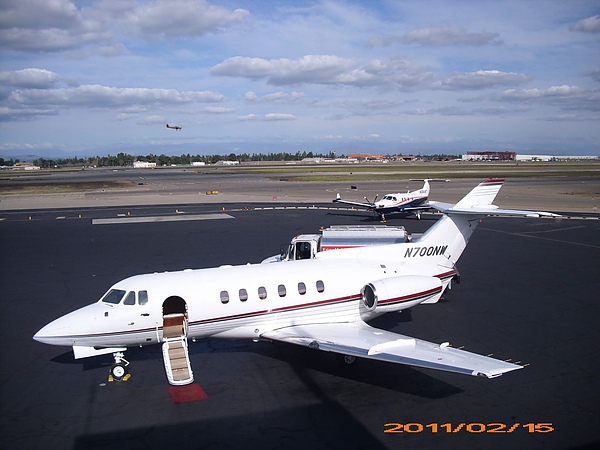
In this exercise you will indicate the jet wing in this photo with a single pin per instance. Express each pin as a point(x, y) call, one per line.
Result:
point(361, 340)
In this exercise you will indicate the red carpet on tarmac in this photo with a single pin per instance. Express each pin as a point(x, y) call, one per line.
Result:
point(188, 393)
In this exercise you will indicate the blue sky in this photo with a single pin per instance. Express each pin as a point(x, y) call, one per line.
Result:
point(102, 77)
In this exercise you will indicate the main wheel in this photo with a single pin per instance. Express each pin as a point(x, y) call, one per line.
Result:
point(348, 359)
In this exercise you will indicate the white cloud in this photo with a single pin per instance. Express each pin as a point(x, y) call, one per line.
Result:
point(30, 78)
point(28, 13)
point(480, 79)
point(564, 96)
point(125, 116)
point(217, 110)
point(250, 117)
point(153, 120)
point(279, 116)
point(8, 114)
point(96, 96)
point(324, 69)
point(268, 117)
point(588, 25)
point(179, 18)
point(552, 92)
point(439, 37)
point(43, 26)
point(274, 97)
point(51, 26)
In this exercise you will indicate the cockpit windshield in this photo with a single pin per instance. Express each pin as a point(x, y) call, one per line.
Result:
point(113, 296)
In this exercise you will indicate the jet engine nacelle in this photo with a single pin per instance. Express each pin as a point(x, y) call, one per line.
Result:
point(397, 293)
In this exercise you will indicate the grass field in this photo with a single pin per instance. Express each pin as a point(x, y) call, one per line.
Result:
point(402, 171)
point(42, 182)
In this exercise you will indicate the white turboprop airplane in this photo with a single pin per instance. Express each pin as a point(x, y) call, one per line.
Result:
point(409, 202)
point(322, 303)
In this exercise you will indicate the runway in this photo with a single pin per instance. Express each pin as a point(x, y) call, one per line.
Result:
point(529, 292)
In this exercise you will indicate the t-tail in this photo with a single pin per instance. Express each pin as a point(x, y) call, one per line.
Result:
point(453, 231)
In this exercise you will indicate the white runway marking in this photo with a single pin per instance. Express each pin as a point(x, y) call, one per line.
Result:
point(178, 218)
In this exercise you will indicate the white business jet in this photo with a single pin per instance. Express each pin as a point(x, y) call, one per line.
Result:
point(322, 303)
point(408, 203)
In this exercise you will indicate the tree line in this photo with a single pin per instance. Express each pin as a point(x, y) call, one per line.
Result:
point(125, 159)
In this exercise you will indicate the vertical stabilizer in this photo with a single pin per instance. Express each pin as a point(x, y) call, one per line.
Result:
point(453, 231)
point(426, 188)
point(482, 195)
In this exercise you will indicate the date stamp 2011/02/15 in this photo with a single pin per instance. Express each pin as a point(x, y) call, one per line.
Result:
point(472, 427)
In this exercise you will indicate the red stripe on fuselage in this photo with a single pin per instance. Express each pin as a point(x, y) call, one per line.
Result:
point(411, 297)
point(265, 312)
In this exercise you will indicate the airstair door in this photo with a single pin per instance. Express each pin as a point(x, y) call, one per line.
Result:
point(175, 349)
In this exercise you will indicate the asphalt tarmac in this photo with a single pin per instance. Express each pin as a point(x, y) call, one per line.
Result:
point(176, 186)
point(529, 292)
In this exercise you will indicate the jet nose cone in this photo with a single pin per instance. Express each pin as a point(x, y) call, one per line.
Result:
point(53, 332)
point(70, 328)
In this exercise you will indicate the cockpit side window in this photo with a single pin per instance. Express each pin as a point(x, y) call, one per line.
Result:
point(129, 299)
point(113, 296)
point(142, 297)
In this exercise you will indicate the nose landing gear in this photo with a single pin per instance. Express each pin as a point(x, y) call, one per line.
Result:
point(118, 371)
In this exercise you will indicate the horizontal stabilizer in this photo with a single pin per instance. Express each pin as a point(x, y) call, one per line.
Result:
point(480, 202)
point(487, 210)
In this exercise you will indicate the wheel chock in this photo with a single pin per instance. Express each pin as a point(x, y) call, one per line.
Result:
point(110, 379)
point(126, 377)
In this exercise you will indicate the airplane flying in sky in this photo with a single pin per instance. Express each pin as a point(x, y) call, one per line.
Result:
point(174, 127)
point(323, 303)
point(409, 202)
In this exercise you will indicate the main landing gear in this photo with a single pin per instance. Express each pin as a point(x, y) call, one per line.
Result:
point(118, 371)
point(349, 359)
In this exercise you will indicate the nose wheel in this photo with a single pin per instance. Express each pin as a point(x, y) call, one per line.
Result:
point(118, 371)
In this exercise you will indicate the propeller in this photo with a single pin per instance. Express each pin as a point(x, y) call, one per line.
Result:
point(374, 200)
point(375, 214)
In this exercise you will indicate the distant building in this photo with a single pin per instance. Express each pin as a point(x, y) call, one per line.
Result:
point(25, 166)
point(575, 158)
point(366, 157)
point(143, 164)
point(489, 156)
point(535, 158)
point(198, 163)
point(555, 158)
point(227, 163)
point(407, 158)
